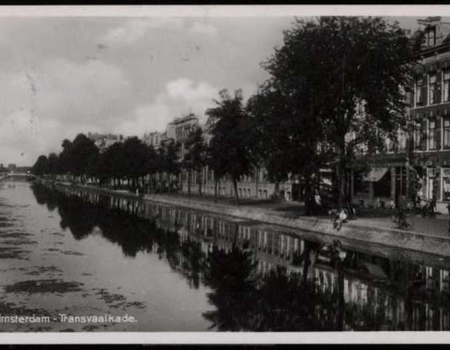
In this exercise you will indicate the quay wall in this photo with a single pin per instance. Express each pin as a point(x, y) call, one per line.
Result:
point(353, 230)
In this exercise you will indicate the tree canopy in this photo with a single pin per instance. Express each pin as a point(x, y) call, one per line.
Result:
point(341, 78)
point(196, 154)
point(231, 146)
point(41, 166)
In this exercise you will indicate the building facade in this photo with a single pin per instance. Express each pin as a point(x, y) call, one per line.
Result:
point(422, 156)
point(430, 110)
point(253, 186)
point(103, 141)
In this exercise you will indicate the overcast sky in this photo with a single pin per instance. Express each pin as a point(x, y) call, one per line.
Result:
point(62, 76)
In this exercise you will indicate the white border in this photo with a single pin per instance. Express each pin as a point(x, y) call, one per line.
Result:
point(225, 10)
point(227, 338)
point(218, 11)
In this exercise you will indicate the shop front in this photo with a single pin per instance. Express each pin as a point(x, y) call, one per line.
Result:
point(382, 186)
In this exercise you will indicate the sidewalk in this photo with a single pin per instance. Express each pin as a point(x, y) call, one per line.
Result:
point(438, 226)
point(379, 218)
point(372, 226)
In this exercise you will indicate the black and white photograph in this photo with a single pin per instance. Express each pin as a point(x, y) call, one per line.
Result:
point(231, 170)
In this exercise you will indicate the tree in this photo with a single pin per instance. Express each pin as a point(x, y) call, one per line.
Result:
point(64, 157)
point(97, 168)
point(41, 166)
point(350, 75)
point(151, 165)
point(52, 164)
point(287, 138)
point(76, 156)
point(231, 145)
point(81, 152)
point(134, 159)
point(171, 162)
point(113, 163)
point(195, 157)
point(168, 164)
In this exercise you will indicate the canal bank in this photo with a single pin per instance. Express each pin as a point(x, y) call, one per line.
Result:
point(376, 230)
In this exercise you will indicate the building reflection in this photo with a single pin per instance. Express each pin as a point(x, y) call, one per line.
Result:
point(266, 279)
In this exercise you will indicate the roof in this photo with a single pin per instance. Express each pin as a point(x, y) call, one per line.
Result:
point(184, 119)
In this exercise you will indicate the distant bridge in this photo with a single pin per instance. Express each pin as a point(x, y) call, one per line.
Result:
point(17, 176)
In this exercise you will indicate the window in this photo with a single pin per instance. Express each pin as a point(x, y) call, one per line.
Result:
point(400, 178)
point(431, 37)
point(382, 188)
point(402, 136)
point(446, 86)
point(417, 137)
point(447, 132)
point(434, 89)
point(418, 93)
point(389, 145)
point(432, 134)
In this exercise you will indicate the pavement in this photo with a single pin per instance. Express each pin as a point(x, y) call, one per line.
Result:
point(380, 218)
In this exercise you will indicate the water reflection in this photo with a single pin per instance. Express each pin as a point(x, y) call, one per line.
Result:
point(266, 279)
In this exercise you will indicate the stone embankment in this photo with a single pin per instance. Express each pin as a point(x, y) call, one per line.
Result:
point(360, 230)
point(355, 230)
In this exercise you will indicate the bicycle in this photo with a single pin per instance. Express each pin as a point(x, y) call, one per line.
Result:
point(401, 220)
point(428, 210)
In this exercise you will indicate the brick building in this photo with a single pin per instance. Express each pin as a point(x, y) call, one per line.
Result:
point(425, 152)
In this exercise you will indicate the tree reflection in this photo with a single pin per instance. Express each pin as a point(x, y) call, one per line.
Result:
point(76, 215)
point(193, 261)
point(245, 300)
point(44, 196)
point(231, 276)
point(282, 300)
point(277, 301)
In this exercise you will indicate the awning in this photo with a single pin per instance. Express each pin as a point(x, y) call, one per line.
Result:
point(376, 174)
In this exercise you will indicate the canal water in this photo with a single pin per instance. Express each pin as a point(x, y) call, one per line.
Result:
point(72, 260)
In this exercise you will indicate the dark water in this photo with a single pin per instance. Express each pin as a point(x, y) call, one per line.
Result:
point(72, 253)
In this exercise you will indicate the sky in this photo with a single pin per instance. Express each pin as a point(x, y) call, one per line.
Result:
point(128, 75)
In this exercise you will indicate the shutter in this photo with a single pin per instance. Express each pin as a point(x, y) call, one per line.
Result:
point(424, 97)
point(424, 140)
point(411, 98)
point(438, 132)
point(438, 185)
point(438, 87)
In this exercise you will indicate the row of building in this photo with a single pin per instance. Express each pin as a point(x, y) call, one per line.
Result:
point(178, 131)
point(424, 153)
point(13, 168)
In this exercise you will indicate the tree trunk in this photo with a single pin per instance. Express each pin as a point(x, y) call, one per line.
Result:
point(306, 262)
point(189, 182)
point(340, 179)
point(216, 183)
point(150, 183)
point(309, 200)
point(236, 191)
point(168, 182)
point(200, 183)
point(276, 191)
